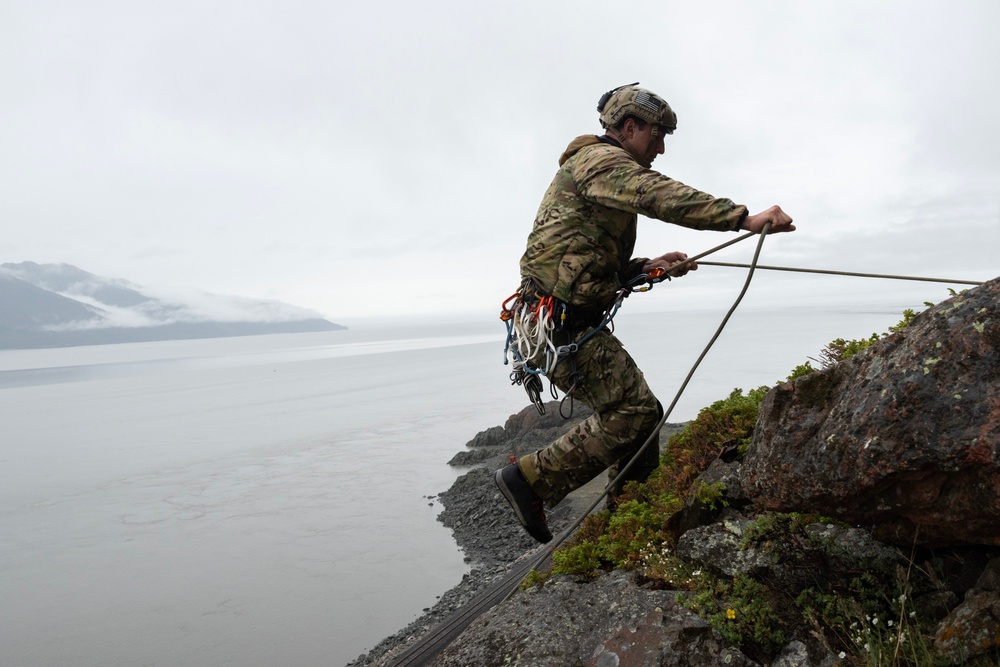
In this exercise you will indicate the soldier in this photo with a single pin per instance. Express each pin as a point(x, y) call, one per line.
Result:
point(579, 252)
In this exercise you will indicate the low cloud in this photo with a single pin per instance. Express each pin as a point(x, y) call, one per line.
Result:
point(189, 305)
point(168, 306)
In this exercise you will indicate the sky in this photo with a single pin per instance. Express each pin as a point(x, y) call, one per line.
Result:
point(387, 158)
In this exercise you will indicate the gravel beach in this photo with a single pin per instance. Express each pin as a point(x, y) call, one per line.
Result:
point(482, 522)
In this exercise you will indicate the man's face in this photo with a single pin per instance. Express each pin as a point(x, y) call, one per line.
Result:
point(644, 144)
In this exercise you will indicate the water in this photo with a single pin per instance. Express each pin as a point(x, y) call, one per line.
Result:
point(264, 500)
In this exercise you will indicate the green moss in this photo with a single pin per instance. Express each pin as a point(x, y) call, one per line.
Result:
point(730, 420)
point(579, 559)
point(840, 349)
point(768, 527)
point(712, 496)
point(800, 371)
point(535, 578)
point(740, 609)
point(632, 529)
point(908, 316)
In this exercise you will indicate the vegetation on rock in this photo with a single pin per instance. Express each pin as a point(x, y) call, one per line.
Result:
point(868, 614)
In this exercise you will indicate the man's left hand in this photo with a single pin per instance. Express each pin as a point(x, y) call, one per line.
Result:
point(668, 260)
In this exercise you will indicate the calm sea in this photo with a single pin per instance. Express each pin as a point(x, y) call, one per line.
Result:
point(265, 500)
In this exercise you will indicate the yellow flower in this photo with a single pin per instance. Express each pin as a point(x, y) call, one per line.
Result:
point(730, 614)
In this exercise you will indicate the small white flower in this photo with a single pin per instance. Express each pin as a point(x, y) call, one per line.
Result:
point(875, 621)
point(867, 648)
point(696, 573)
point(913, 614)
point(842, 655)
point(889, 623)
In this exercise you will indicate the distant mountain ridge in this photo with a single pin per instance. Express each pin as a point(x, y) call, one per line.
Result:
point(60, 305)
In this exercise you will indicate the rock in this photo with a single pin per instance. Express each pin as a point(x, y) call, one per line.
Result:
point(936, 605)
point(798, 654)
point(973, 626)
point(972, 629)
point(903, 437)
point(609, 622)
point(491, 437)
point(718, 546)
point(787, 556)
point(622, 623)
point(695, 513)
point(475, 456)
point(989, 580)
point(522, 434)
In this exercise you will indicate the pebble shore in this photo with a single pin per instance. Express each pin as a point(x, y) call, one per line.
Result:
point(486, 530)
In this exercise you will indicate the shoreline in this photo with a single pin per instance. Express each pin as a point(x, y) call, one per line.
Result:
point(482, 523)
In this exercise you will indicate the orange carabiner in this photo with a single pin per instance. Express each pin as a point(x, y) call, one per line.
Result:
point(656, 273)
point(505, 311)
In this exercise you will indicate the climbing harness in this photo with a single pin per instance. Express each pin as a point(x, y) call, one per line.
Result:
point(534, 319)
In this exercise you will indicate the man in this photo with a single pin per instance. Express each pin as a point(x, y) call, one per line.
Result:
point(579, 253)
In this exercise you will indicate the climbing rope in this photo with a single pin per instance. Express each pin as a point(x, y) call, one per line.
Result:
point(845, 273)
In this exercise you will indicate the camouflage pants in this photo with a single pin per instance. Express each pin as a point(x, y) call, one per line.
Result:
point(625, 413)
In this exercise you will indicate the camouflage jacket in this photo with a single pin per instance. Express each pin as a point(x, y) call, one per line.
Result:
point(580, 247)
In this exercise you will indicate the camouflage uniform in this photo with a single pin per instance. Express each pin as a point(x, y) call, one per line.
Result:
point(580, 252)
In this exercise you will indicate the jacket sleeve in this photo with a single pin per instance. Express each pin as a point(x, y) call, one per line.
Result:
point(610, 177)
point(633, 268)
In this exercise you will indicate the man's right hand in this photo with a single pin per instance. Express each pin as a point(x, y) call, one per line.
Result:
point(780, 221)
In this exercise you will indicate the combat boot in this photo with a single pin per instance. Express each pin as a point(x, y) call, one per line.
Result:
point(528, 505)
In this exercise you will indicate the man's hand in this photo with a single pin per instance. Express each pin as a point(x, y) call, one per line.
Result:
point(668, 260)
point(780, 221)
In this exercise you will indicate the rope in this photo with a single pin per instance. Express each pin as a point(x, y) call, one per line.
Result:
point(655, 435)
point(844, 273)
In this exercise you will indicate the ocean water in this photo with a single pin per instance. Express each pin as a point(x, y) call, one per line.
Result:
point(269, 500)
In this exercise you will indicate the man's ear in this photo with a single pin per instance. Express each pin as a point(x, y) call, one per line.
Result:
point(628, 128)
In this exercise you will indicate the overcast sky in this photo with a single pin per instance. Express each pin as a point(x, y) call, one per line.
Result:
point(389, 157)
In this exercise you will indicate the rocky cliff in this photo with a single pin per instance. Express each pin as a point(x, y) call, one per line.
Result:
point(902, 437)
point(860, 526)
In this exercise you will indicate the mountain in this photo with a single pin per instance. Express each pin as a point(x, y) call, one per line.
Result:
point(60, 305)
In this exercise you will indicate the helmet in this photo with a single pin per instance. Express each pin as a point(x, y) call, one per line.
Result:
point(631, 100)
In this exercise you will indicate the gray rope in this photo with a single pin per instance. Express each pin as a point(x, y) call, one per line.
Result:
point(843, 273)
